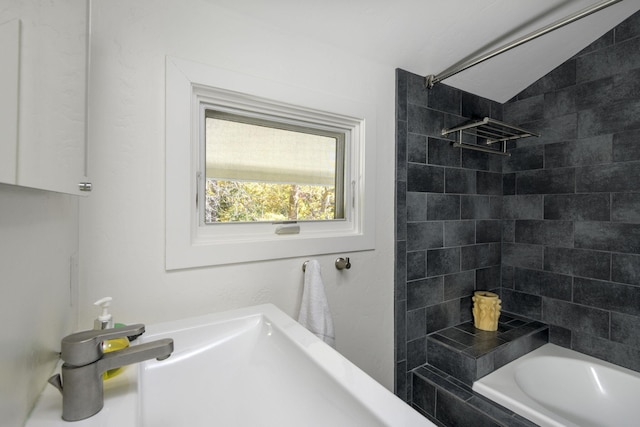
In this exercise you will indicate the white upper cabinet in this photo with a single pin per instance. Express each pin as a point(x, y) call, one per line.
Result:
point(10, 57)
point(43, 134)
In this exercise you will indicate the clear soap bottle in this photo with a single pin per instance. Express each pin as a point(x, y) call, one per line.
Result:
point(105, 321)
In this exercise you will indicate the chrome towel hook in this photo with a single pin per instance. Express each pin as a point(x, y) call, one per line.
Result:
point(342, 263)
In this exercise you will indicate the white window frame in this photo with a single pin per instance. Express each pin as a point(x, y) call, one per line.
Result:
point(189, 242)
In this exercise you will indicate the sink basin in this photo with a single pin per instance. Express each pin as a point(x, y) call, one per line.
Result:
point(249, 367)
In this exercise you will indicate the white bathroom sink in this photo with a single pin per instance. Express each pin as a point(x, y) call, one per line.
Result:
point(249, 367)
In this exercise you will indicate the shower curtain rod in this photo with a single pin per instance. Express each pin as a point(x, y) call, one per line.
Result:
point(431, 80)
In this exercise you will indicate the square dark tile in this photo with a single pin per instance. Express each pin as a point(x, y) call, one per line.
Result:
point(529, 305)
point(525, 158)
point(459, 285)
point(443, 261)
point(481, 161)
point(480, 256)
point(523, 206)
point(458, 233)
point(560, 102)
point(489, 183)
point(443, 315)
point(425, 178)
point(424, 235)
point(441, 152)
point(522, 255)
point(476, 207)
point(460, 181)
point(421, 293)
point(443, 207)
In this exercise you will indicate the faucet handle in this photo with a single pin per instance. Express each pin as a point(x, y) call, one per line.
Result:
point(85, 347)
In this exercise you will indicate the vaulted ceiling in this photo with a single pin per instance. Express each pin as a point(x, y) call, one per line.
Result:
point(427, 36)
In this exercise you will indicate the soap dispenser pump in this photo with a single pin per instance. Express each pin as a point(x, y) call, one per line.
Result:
point(105, 321)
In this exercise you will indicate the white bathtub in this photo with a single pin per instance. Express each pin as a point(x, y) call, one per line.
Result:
point(558, 387)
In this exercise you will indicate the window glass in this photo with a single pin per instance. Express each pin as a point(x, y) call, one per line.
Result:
point(262, 170)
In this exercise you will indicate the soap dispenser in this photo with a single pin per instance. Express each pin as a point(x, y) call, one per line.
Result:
point(105, 321)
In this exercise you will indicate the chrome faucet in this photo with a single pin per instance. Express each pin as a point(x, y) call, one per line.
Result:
point(81, 381)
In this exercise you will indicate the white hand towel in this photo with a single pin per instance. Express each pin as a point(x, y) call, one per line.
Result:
point(314, 311)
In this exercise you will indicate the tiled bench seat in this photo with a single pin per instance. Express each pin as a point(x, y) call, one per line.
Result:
point(459, 355)
point(468, 353)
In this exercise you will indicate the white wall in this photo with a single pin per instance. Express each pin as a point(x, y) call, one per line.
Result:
point(122, 222)
point(38, 239)
point(39, 229)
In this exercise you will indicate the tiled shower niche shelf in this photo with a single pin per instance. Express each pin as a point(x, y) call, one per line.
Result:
point(468, 354)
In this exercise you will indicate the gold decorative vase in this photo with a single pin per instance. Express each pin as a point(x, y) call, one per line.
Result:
point(486, 310)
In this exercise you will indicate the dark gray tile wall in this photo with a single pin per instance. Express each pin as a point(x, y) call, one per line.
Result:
point(448, 210)
point(568, 204)
point(571, 209)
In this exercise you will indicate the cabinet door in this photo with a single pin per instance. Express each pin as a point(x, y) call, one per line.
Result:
point(9, 57)
point(52, 93)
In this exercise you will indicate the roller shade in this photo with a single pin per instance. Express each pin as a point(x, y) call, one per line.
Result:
point(260, 153)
